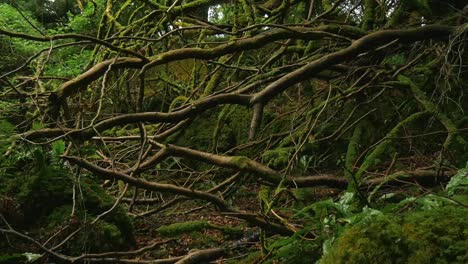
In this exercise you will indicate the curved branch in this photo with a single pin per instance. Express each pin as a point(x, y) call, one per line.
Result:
point(67, 89)
point(80, 83)
point(141, 183)
point(153, 117)
point(361, 45)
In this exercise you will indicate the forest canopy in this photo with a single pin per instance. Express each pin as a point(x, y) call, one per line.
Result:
point(278, 131)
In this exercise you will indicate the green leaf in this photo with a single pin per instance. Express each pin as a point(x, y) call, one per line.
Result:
point(31, 256)
point(459, 182)
point(58, 147)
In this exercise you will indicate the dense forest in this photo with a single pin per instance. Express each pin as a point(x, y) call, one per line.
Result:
point(241, 131)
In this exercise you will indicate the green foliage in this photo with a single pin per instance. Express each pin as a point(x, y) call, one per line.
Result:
point(327, 219)
point(15, 50)
point(85, 22)
point(68, 63)
point(459, 182)
point(294, 250)
point(19, 258)
point(433, 236)
point(397, 59)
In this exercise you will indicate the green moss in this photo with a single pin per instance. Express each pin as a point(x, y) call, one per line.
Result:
point(98, 201)
point(216, 131)
point(297, 251)
point(58, 216)
point(352, 152)
point(45, 201)
point(434, 109)
point(240, 161)
point(103, 236)
point(41, 192)
point(196, 226)
point(279, 157)
point(382, 148)
point(434, 236)
point(13, 259)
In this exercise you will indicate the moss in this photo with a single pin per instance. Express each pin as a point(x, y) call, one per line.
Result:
point(434, 236)
point(196, 226)
point(369, 14)
point(45, 201)
point(240, 161)
point(278, 158)
point(382, 148)
point(43, 191)
point(433, 109)
point(352, 152)
point(98, 201)
point(13, 259)
point(297, 251)
point(58, 216)
point(216, 131)
point(102, 236)
point(409, 9)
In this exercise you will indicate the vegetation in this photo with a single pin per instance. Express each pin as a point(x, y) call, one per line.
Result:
point(279, 131)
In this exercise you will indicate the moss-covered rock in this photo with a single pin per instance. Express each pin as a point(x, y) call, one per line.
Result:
point(433, 236)
point(43, 201)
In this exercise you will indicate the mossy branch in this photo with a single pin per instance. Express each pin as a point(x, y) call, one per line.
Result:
point(433, 109)
point(352, 151)
point(372, 159)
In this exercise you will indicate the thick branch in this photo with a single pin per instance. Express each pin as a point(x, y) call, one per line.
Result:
point(80, 83)
point(141, 183)
point(152, 117)
point(361, 45)
point(72, 87)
